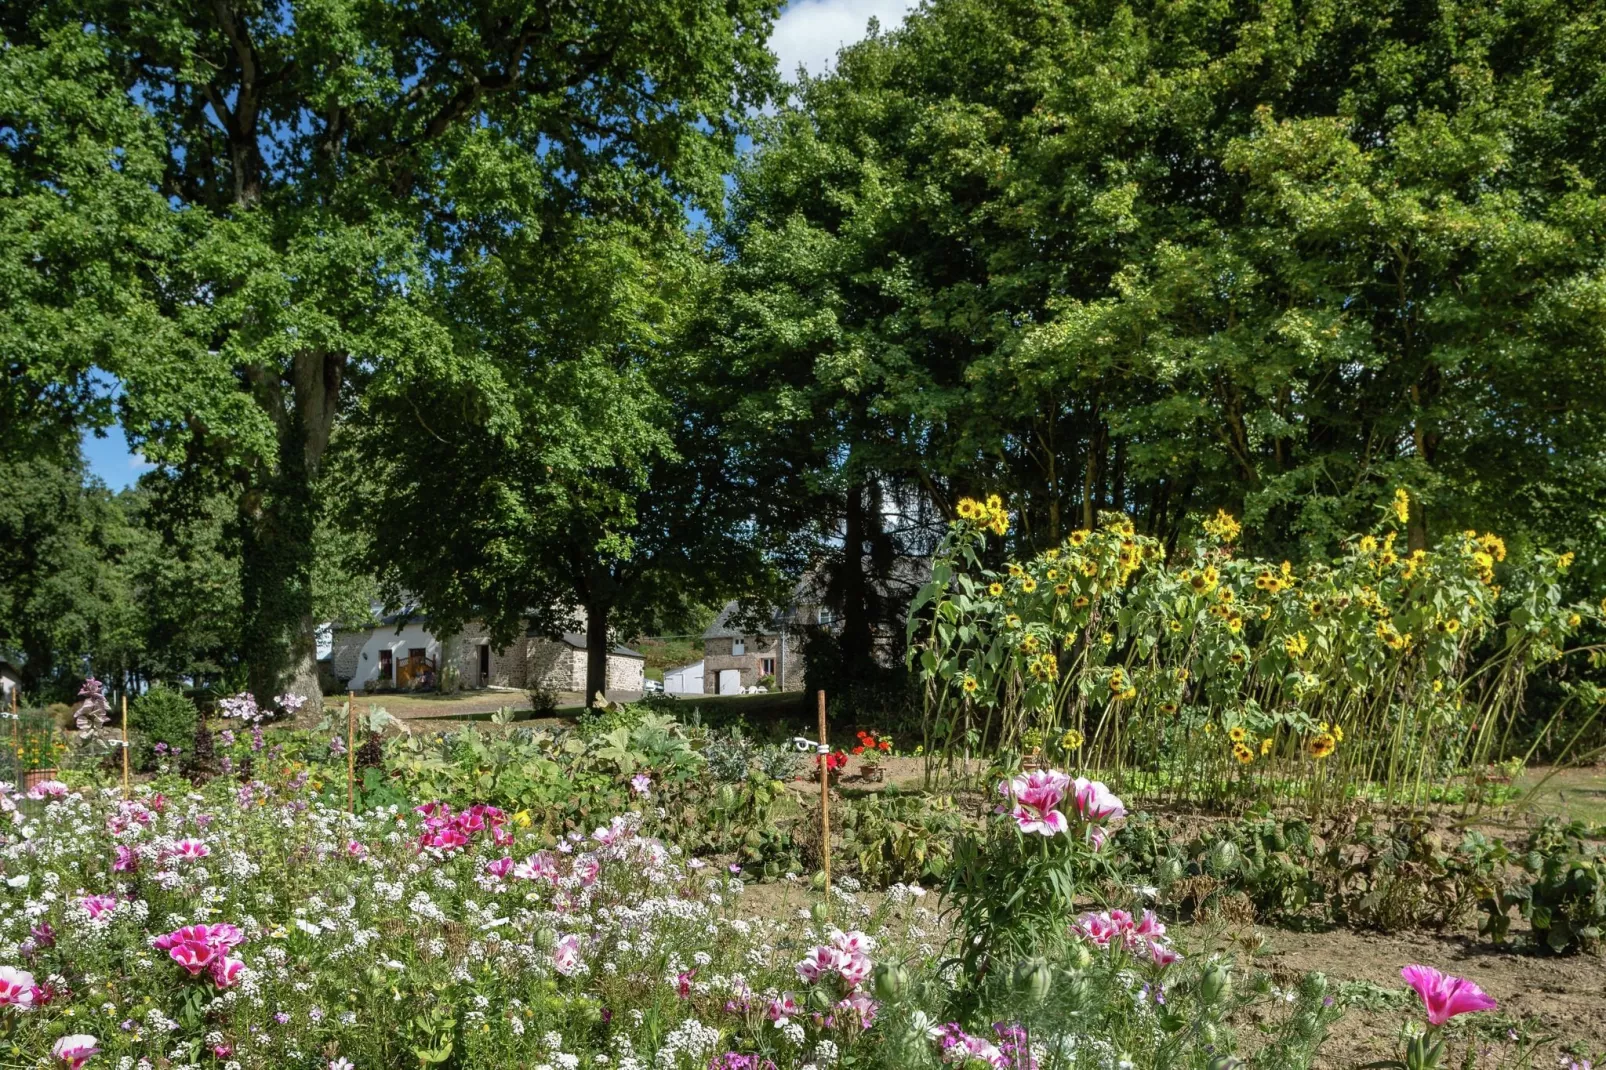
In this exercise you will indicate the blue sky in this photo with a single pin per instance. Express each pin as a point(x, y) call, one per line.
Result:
point(808, 33)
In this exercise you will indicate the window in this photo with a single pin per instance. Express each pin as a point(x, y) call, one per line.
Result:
point(766, 666)
point(386, 671)
point(738, 646)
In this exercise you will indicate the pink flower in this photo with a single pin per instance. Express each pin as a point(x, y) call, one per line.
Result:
point(780, 1010)
point(1037, 797)
point(1162, 955)
point(127, 859)
point(48, 789)
point(566, 955)
point(190, 850)
point(1445, 996)
point(97, 905)
point(355, 850)
point(17, 988)
point(641, 784)
point(500, 868)
point(1098, 928)
point(539, 866)
point(683, 983)
point(74, 1050)
point(193, 955)
point(226, 971)
point(588, 871)
point(819, 962)
point(1095, 802)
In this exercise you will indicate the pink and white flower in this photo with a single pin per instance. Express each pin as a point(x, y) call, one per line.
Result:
point(1037, 796)
point(17, 988)
point(75, 1050)
point(566, 955)
point(1097, 803)
point(97, 906)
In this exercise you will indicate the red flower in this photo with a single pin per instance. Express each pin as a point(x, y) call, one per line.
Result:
point(885, 744)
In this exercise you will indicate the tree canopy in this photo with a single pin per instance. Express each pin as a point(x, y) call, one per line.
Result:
point(1171, 257)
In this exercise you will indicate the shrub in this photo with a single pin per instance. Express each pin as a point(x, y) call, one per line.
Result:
point(162, 715)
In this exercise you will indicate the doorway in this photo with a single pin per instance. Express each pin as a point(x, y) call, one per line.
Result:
point(730, 682)
point(485, 665)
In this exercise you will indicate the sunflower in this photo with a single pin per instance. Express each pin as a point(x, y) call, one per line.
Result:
point(968, 508)
point(1071, 740)
point(1401, 505)
point(1238, 733)
point(1323, 745)
point(1062, 589)
point(995, 589)
point(1011, 621)
point(1053, 574)
point(1080, 602)
point(1243, 752)
point(1078, 538)
point(1266, 745)
point(1338, 733)
point(1225, 594)
point(1028, 585)
point(1016, 572)
point(969, 684)
point(1168, 707)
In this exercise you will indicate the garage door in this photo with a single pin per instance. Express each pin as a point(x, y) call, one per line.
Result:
point(730, 681)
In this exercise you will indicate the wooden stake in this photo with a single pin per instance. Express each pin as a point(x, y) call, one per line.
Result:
point(351, 751)
point(825, 799)
point(16, 738)
point(126, 791)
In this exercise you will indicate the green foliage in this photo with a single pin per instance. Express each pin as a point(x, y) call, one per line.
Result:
point(1167, 258)
point(1564, 898)
point(890, 837)
point(1219, 675)
point(162, 715)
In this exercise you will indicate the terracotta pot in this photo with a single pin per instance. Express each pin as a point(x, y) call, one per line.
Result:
point(34, 777)
point(871, 772)
point(1031, 763)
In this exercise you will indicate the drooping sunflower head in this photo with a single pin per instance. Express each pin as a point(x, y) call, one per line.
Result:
point(1243, 752)
point(1322, 745)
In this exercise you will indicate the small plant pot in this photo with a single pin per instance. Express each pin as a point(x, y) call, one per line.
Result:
point(34, 777)
point(872, 773)
point(1031, 763)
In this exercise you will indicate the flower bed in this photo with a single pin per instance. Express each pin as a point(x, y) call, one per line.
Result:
point(249, 925)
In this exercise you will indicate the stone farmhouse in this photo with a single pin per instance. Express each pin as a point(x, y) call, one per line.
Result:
point(403, 651)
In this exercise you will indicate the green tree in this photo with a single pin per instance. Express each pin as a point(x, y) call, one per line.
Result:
point(320, 170)
point(580, 470)
point(1172, 257)
point(63, 602)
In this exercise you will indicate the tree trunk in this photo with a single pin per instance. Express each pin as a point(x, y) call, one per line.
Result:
point(856, 634)
point(278, 518)
point(596, 652)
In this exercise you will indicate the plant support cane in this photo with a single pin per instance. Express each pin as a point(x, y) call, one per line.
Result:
point(126, 793)
point(825, 799)
point(351, 753)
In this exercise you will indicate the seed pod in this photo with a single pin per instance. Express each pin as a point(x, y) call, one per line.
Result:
point(1073, 989)
point(1081, 958)
point(1223, 856)
point(889, 981)
point(727, 796)
point(1033, 979)
point(546, 938)
point(820, 912)
point(1215, 984)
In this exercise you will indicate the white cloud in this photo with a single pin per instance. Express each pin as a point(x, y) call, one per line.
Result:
point(809, 32)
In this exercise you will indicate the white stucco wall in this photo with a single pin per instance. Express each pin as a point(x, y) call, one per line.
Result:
point(387, 638)
point(686, 680)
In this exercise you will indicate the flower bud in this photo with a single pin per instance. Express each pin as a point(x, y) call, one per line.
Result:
point(1423, 1053)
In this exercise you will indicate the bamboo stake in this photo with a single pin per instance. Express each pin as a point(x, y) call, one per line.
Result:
point(351, 751)
point(16, 738)
point(825, 799)
point(126, 792)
